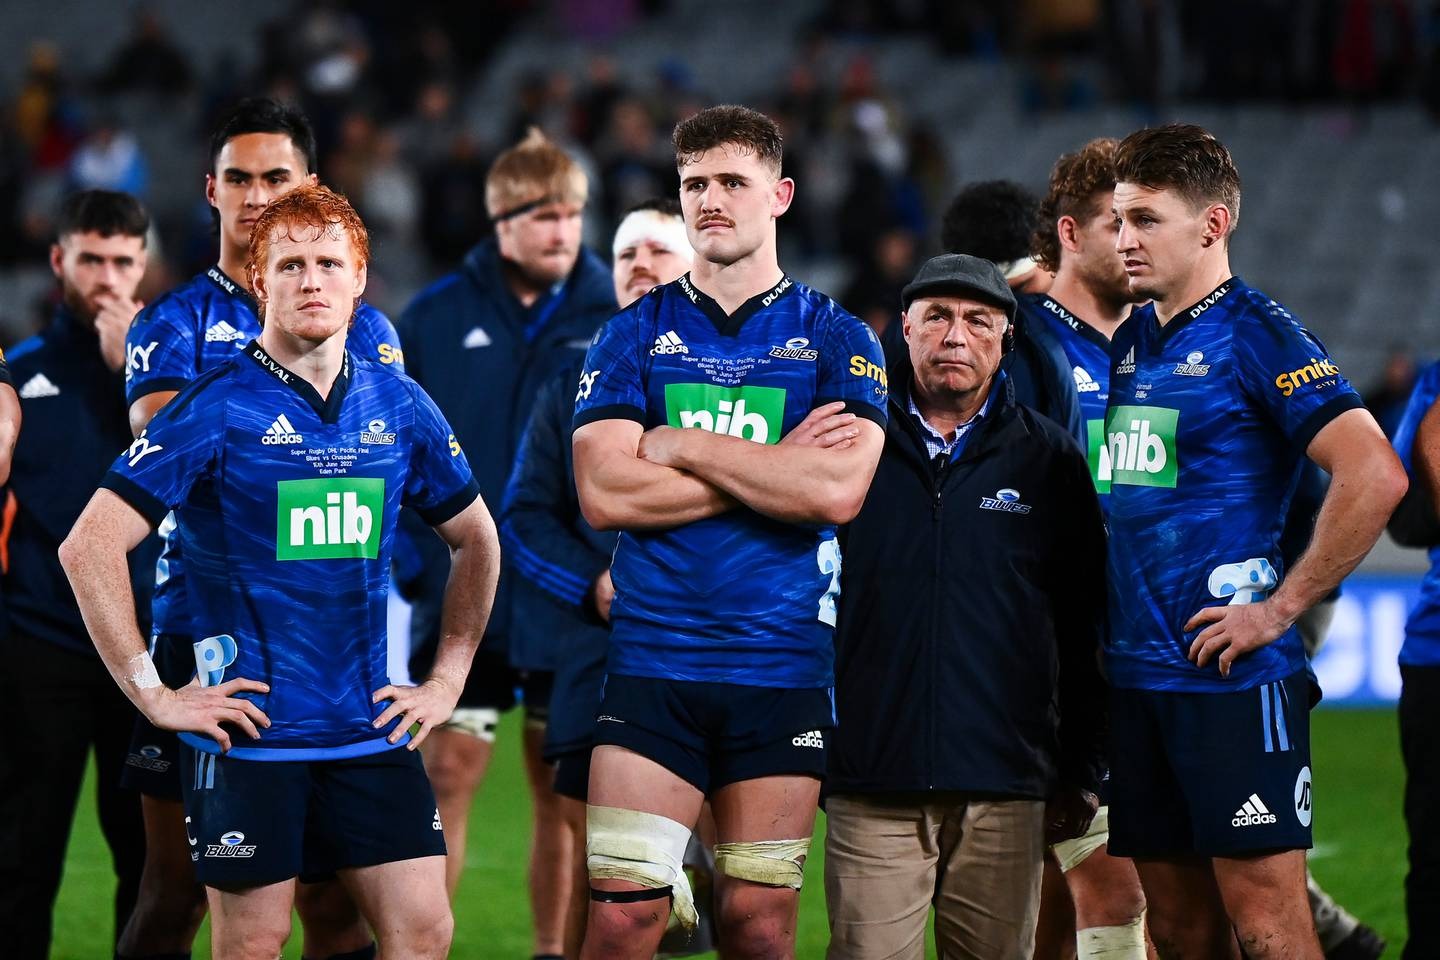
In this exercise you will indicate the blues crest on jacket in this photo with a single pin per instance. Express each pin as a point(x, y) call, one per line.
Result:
point(736, 598)
point(1207, 422)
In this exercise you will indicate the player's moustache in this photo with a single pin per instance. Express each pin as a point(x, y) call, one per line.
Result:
point(706, 221)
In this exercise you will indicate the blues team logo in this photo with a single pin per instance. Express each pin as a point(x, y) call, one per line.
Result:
point(1006, 500)
point(1193, 365)
point(232, 846)
point(796, 348)
point(376, 434)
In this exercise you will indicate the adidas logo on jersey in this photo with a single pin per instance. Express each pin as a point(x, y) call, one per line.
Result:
point(38, 386)
point(1127, 365)
point(1252, 813)
point(281, 432)
point(435, 824)
point(668, 343)
point(812, 738)
point(1084, 383)
point(222, 332)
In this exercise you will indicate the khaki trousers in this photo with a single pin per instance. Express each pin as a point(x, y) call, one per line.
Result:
point(889, 859)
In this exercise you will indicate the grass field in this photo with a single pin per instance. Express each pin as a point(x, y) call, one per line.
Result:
point(1359, 855)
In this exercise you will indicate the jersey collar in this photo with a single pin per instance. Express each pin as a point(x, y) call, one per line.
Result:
point(219, 278)
point(1193, 312)
point(1068, 317)
point(328, 409)
point(728, 325)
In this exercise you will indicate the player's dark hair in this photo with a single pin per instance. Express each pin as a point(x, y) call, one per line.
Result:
point(993, 219)
point(1184, 158)
point(106, 212)
point(750, 130)
point(1078, 183)
point(669, 206)
point(266, 115)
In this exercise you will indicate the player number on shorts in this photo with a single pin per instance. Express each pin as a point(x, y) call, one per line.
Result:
point(828, 557)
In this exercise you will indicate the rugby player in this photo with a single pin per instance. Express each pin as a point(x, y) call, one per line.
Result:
point(1087, 301)
point(564, 589)
point(291, 727)
point(697, 420)
point(260, 151)
point(1216, 392)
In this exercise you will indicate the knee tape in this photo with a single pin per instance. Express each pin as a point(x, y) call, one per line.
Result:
point(775, 863)
point(1125, 942)
point(1071, 853)
point(478, 722)
point(642, 848)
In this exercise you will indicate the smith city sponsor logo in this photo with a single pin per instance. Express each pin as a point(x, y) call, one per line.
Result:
point(232, 845)
point(1316, 369)
point(1141, 443)
point(864, 367)
point(796, 348)
point(750, 413)
point(334, 518)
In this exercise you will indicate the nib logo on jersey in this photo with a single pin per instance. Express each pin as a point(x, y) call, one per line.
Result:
point(1141, 444)
point(333, 518)
point(750, 413)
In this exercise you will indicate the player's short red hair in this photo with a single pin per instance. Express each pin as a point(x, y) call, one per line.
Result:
point(309, 208)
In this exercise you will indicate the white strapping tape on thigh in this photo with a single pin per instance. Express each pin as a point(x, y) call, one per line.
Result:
point(1123, 942)
point(775, 863)
point(643, 848)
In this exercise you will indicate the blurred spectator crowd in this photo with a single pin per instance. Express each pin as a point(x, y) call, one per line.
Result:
point(392, 90)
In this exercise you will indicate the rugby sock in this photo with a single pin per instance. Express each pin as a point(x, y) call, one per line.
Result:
point(364, 953)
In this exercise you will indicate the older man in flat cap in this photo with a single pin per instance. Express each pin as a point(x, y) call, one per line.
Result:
point(970, 705)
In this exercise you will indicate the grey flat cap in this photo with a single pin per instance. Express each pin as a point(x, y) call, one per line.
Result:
point(959, 274)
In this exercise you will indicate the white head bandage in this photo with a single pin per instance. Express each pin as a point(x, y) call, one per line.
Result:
point(657, 227)
point(1015, 269)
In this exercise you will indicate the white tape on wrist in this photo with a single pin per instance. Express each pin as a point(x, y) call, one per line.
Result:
point(140, 671)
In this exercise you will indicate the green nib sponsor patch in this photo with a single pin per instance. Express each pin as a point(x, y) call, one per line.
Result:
point(1141, 445)
point(750, 413)
point(329, 519)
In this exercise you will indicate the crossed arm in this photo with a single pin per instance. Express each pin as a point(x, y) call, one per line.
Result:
point(630, 478)
point(1367, 481)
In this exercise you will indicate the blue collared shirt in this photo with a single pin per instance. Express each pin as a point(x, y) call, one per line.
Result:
point(935, 443)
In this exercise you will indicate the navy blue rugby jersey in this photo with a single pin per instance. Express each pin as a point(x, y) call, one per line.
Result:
point(287, 544)
point(1208, 420)
point(194, 328)
point(738, 598)
point(1088, 351)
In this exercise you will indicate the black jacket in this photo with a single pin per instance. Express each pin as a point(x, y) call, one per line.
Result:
point(75, 425)
point(557, 556)
point(482, 356)
point(971, 614)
